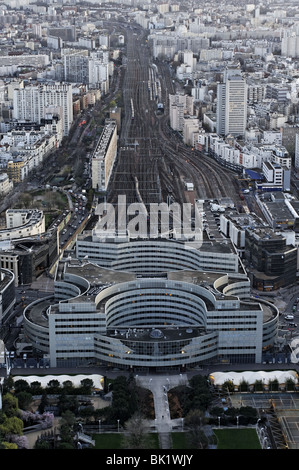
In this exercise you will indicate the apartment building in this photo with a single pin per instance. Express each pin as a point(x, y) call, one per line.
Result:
point(33, 102)
point(190, 127)
point(278, 92)
point(6, 185)
point(28, 156)
point(75, 66)
point(180, 105)
point(290, 45)
point(232, 104)
point(104, 156)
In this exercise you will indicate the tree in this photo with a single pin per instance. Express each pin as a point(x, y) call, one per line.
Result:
point(66, 436)
point(68, 403)
point(21, 441)
point(12, 425)
point(258, 386)
point(68, 418)
point(8, 384)
point(24, 400)
point(36, 388)
point(136, 436)
point(10, 405)
point(43, 403)
point(42, 444)
point(290, 384)
point(66, 445)
point(87, 412)
point(274, 385)
point(228, 386)
point(196, 396)
point(112, 104)
point(68, 387)
point(8, 445)
point(244, 386)
point(53, 387)
point(86, 386)
point(194, 421)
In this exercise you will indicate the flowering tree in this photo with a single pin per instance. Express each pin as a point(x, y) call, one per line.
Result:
point(20, 441)
point(45, 419)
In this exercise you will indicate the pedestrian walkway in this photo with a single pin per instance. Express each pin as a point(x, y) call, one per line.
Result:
point(159, 386)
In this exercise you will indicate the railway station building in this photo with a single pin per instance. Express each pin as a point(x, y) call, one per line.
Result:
point(150, 305)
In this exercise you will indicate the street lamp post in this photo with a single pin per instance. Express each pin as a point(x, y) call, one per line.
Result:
point(0, 395)
point(99, 425)
point(118, 425)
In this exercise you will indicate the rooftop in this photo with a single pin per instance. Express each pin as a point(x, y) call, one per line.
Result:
point(156, 334)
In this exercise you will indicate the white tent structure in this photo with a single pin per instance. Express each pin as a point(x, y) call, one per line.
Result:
point(250, 377)
point(75, 379)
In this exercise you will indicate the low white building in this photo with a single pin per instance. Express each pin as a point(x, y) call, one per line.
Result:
point(22, 223)
point(5, 184)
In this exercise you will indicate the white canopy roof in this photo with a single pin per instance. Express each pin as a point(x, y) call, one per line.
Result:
point(75, 379)
point(218, 378)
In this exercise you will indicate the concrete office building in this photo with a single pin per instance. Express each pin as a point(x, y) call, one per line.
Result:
point(30, 257)
point(274, 262)
point(161, 315)
point(280, 212)
point(276, 177)
point(232, 104)
point(147, 257)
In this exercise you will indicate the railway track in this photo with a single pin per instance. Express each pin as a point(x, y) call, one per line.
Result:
point(150, 152)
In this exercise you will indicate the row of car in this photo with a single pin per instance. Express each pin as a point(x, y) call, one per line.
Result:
point(289, 319)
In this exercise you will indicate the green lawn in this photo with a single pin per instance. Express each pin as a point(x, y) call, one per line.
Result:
point(114, 441)
point(237, 439)
point(226, 438)
point(107, 440)
point(180, 440)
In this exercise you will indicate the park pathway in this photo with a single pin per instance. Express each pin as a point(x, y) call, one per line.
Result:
point(159, 386)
